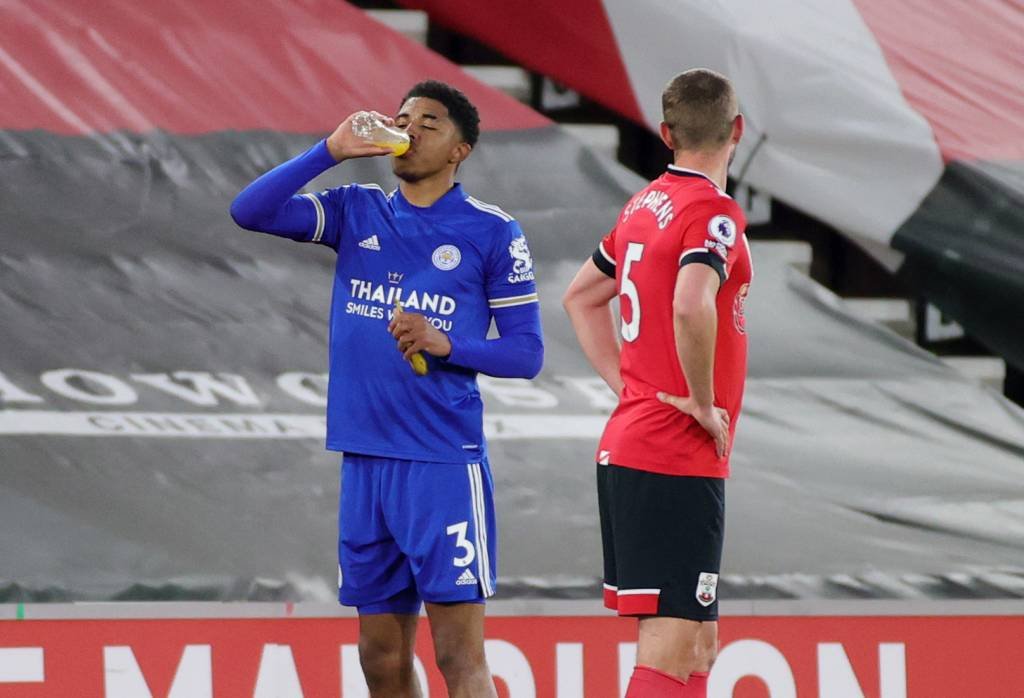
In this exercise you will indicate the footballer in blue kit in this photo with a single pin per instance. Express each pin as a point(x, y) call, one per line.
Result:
point(421, 270)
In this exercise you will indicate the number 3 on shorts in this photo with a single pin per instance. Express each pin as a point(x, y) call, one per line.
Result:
point(459, 531)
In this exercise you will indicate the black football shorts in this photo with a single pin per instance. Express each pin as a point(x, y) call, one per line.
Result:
point(662, 537)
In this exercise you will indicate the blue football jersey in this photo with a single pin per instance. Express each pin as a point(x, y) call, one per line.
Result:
point(454, 262)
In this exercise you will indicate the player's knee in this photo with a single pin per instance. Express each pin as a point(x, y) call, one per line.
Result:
point(707, 659)
point(384, 664)
point(456, 661)
point(706, 652)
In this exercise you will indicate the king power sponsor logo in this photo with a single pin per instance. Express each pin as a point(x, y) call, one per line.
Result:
point(530, 657)
point(289, 405)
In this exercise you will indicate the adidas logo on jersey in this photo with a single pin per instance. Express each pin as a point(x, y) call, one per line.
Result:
point(371, 243)
point(465, 578)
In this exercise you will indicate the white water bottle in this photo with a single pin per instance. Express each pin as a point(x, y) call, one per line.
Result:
point(370, 128)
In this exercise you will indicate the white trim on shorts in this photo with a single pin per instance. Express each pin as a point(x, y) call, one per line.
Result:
point(483, 558)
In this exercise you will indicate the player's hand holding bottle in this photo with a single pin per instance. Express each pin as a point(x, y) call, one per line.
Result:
point(714, 419)
point(415, 335)
point(366, 134)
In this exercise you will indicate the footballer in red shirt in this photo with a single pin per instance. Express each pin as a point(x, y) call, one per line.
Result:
point(680, 218)
point(679, 262)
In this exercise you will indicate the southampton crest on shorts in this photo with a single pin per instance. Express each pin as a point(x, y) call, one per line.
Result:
point(707, 588)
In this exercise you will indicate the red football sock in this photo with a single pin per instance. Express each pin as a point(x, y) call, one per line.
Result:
point(696, 685)
point(651, 683)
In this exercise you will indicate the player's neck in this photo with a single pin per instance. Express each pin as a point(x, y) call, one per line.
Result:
point(425, 192)
point(715, 166)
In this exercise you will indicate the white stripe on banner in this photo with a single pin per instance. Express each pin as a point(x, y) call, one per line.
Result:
point(828, 136)
point(21, 665)
point(198, 425)
point(182, 425)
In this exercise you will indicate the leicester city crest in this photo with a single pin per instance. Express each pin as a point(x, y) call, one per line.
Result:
point(446, 257)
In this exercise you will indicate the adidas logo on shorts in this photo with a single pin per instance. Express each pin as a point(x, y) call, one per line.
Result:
point(465, 578)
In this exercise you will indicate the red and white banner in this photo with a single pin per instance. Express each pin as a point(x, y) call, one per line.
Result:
point(555, 657)
point(858, 105)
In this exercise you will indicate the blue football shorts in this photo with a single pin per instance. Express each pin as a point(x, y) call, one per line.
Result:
point(411, 531)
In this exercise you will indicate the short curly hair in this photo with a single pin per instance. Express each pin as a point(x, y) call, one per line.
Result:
point(460, 110)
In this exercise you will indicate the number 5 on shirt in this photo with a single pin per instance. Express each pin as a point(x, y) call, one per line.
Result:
point(631, 329)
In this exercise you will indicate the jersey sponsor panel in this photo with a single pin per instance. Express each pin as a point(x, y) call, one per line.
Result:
point(377, 300)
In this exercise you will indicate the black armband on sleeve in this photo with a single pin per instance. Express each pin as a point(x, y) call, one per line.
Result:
point(705, 257)
point(608, 268)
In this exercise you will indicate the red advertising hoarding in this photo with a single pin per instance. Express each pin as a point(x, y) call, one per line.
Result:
point(548, 656)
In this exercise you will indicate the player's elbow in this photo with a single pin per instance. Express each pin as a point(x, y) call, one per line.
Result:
point(533, 370)
point(243, 215)
point(573, 301)
point(568, 300)
point(690, 308)
point(529, 356)
point(534, 357)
